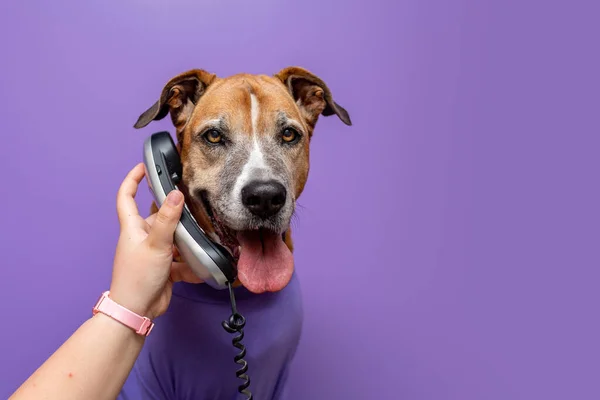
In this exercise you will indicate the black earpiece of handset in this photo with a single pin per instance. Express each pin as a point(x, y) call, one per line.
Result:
point(210, 261)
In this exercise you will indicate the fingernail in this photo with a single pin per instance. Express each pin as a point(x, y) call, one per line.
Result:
point(174, 198)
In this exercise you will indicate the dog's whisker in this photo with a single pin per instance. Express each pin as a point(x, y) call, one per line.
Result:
point(294, 220)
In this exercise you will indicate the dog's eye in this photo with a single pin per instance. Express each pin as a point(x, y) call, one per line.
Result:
point(213, 136)
point(290, 136)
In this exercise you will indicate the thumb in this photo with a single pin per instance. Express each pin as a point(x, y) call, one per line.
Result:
point(167, 217)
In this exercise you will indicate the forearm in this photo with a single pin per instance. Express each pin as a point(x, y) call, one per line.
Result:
point(92, 364)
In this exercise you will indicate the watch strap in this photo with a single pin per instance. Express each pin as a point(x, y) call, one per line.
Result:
point(105, 305)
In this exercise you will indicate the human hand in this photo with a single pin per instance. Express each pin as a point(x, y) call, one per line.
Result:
point(144, 270)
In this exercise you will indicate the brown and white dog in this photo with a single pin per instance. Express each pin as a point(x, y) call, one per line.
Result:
point(244, 145)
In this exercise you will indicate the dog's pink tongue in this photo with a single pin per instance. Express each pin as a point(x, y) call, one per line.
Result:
point(264, 265)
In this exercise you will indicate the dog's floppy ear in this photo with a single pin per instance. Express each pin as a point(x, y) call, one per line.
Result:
point(311, 94)
point(179, 96)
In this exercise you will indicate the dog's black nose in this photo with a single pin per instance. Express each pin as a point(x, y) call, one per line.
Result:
point(263, 198)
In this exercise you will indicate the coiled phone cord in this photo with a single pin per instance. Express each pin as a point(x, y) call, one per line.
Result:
point(236, 325)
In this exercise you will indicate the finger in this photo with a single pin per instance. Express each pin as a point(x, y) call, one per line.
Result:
point(149, 221)
point(181, 272)
point(165, 222)
point(126, 205)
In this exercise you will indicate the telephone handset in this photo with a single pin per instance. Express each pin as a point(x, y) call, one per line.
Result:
point(210, 261)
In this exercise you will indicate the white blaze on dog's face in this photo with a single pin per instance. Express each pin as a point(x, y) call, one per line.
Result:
point(244, 145)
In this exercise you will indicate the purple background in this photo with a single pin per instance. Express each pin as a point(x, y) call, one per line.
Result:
point(448, 244)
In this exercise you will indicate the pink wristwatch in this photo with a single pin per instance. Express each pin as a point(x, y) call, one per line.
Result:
point(141, 325)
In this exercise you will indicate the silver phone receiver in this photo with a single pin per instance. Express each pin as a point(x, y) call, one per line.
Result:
point(210, 261)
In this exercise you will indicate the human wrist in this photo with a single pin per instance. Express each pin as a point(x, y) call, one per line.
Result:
point(131, 302)
point(116, 327)
point(123, 313)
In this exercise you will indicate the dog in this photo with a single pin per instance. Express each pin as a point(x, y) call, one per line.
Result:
point(244, 144)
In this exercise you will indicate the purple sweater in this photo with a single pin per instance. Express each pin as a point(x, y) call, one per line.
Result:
point(189, 355)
